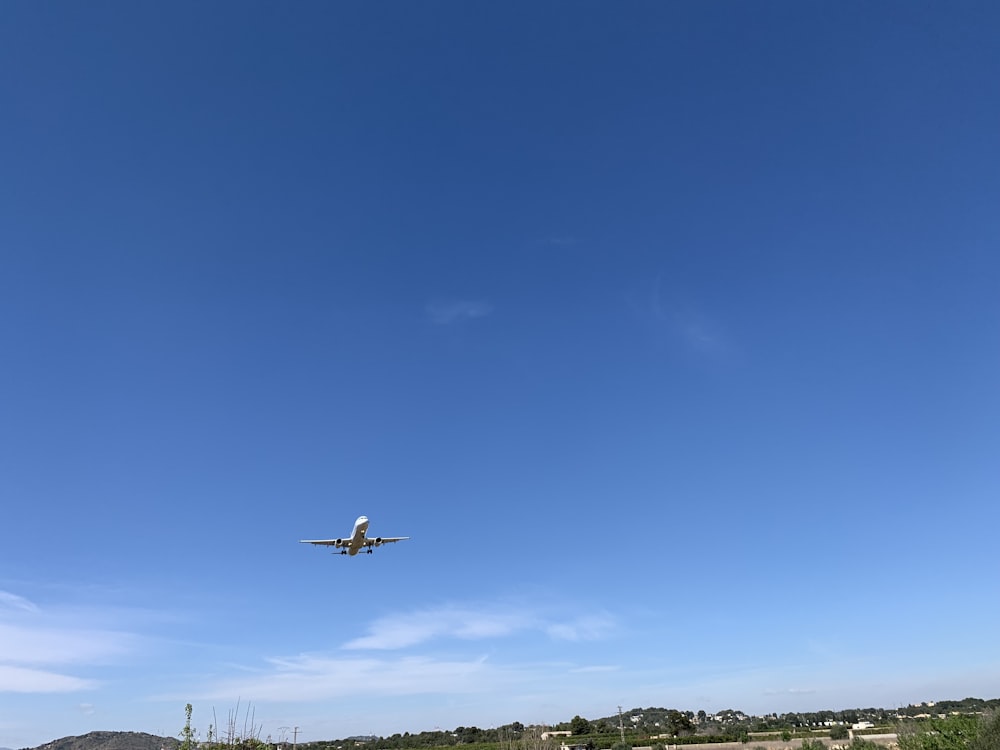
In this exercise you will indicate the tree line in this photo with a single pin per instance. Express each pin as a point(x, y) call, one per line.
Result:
point(952, 721)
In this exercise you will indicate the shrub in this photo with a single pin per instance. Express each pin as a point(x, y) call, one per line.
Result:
point(956, 732)
point(988, 737)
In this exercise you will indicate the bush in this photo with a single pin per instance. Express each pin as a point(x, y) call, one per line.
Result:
point(956, 732)
point(839, 732)
point(988, 737)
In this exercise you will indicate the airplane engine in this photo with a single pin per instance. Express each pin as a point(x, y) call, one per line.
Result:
point(340, 542)
point(378, 541)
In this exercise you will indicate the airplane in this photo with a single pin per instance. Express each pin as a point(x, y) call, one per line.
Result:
point(357, 542)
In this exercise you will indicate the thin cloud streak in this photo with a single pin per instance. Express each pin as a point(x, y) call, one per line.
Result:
point(36, 646)
point(400, 631)
point(590, 628)
point(24, 680)
point(312, 678)
point(685, 324)
point(403, 630)
point(13, 601)
point(454, 311)
point(29, 645)
point(317, 678)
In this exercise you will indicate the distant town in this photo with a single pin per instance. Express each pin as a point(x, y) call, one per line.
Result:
point(967, 724)
point(649, 727)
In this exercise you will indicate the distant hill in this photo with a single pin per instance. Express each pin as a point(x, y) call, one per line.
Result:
point(113, 741)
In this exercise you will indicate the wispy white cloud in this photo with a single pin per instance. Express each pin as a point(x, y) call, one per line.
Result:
point(408, 629)
point(471, 623)
point(686, 323)
point(700, 333)
point(13, 601)
point(59, 645)
point(446, 312)
point(318, 677)
point(588, 628)
point(37, 646)
point(322, 676)
point(25, 680)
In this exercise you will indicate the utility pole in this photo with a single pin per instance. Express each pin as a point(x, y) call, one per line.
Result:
point(621, 726)
point(295, 735)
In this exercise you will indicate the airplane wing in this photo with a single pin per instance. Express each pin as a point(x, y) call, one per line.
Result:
point(325, 542)
point(380, 540)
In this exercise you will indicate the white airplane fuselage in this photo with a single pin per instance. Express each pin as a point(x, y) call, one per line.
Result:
point(358, 535)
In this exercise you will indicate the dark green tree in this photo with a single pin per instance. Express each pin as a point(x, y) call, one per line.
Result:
point(579, 725)
point(678, 724)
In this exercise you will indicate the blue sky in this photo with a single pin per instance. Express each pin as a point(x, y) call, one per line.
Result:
point(669, 332)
